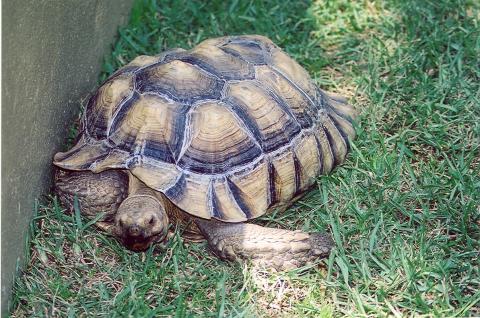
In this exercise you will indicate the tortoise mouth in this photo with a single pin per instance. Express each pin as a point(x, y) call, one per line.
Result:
point(141, 244)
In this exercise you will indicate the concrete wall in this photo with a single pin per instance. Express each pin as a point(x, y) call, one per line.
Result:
point(52, 53)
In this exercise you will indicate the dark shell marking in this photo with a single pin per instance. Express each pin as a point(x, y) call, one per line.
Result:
point(229, 129)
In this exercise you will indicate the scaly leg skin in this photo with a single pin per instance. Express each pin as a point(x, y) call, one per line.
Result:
point(96, 192)
point(266, 247)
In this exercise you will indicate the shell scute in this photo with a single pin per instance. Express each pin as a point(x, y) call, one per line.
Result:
point(283, 177)
point(104, 103)
point(180, 81)
point(151, 126)
point(251, 190)
point(300, 105)
point(190, 193)
point(217, 142)
point(250, 51)
point(307, 154)
point(219, 63)
point(270, 123)
point(294, 72)
point(225, 206)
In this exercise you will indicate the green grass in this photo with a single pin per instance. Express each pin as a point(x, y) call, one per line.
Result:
point(404, 209)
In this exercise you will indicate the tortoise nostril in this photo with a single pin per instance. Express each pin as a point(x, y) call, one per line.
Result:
point(152, 221)
point(134, 230)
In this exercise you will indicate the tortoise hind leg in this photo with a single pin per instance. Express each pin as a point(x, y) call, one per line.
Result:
point(96, 192)
point(276, 248)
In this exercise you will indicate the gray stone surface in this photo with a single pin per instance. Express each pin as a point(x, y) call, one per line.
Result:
point(52, 54)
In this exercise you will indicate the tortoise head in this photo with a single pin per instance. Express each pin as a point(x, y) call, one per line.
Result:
point(141, 221)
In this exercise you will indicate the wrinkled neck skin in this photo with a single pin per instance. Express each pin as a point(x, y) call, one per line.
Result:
point(137, 187)
point(141, 219)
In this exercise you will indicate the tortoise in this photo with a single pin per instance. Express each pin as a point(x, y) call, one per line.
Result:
point(210, 138)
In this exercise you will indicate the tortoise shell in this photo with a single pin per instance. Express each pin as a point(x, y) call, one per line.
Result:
point(229, 129)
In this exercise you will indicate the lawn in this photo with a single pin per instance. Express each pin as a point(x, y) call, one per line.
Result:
point(404, 210)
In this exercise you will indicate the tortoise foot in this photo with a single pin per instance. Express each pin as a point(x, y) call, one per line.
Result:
point(266, 247)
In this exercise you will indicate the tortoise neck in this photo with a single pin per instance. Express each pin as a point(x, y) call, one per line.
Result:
point(137, 187)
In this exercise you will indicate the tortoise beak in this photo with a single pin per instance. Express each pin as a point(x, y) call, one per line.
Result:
point(138, 246)
point(136, 241)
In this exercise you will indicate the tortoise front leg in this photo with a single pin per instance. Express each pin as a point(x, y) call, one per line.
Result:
point(275, 248)
point(96, 192)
